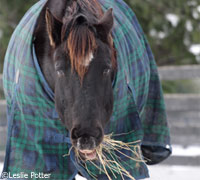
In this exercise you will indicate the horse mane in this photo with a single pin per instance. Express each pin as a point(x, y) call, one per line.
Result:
point(81, 41)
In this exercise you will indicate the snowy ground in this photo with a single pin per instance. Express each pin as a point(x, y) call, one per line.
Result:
point(159, 172)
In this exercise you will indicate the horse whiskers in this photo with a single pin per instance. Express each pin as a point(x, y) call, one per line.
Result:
point(108, 159)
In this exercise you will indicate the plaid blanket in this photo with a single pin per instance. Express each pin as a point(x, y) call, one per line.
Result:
point(37, 140)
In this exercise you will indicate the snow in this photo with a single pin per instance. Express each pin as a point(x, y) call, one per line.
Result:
point(198, 8)
point(153, 33)
point(160, 34)
point(195, 49)
point(1, 167)
point(78, 177)
point(195, 14)
point(189, 26)
point(173, 18)
point(161, 172)
point(178, 150)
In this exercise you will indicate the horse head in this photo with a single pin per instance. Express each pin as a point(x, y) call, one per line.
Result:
point(84, 65)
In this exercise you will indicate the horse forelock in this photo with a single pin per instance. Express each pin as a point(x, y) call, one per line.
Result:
point(80, 39)
point(81, 44)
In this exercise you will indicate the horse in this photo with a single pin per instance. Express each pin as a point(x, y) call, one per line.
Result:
point(75, 51)
point(88, 69)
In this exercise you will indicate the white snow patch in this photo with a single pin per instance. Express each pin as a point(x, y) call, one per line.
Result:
point(153, 32)
point(1, 168)
point(195, 49)
point(195, 14)
point(198, 8)
point(189, 26)
point(160, 34)
point(161, 172)
point(191, 151)
point(173, 18)
point(78, 177)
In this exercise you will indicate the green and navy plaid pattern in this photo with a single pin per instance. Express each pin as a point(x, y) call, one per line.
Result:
point(37, 140)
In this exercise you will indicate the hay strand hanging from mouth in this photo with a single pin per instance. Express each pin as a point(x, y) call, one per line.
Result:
point(108, 159)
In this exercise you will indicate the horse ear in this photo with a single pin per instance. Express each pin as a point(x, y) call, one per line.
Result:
point(105, 24)
point(54, 26)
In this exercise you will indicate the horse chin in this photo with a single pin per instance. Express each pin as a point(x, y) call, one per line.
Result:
point(88, 155)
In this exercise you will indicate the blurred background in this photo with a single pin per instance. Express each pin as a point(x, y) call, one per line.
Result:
point(173, 30)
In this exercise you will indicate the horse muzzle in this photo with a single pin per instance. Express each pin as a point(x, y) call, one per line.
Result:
point(86, 141)
point(86, 145)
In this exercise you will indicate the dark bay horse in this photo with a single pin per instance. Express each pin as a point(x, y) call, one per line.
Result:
point(65, 87)
point(75, 51)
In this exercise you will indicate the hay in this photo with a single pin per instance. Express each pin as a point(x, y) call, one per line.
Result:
point(107, 158)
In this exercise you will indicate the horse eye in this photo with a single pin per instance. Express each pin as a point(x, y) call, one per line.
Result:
point(106, 72)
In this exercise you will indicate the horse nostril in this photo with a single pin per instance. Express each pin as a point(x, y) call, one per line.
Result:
point(99, 133)
point(74, 133)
